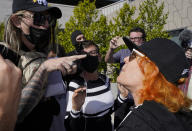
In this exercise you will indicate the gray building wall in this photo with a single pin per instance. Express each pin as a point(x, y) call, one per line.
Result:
point(5, 9)
point(180, 12)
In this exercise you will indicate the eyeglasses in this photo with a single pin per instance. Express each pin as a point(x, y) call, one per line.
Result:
point(135, 38)
point(134, 54)
point(40, 19)
point(92, 53)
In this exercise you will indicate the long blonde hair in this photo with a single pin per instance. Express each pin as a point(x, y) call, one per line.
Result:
point(13, 35)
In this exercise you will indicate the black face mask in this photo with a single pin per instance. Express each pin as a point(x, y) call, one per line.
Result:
point(39, 37)
point(90, 63)
point(79, 47)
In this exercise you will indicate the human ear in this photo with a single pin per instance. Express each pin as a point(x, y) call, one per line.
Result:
point(16, 21)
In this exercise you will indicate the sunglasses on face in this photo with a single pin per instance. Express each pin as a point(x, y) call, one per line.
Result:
point(135, 53)
point(40, 19)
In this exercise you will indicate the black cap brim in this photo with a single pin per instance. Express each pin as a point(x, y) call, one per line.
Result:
point(130, 44)
point(53, 10)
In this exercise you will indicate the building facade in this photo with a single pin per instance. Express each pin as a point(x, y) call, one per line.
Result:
point(180, 15)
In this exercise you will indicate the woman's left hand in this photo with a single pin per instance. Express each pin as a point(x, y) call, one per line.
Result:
point(123, 91)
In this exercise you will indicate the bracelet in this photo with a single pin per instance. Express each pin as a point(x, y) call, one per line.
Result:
point(75, 111)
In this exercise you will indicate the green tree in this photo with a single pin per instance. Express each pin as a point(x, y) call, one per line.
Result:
point(93, 25)
point(124, 21)
point(2, 27)
point(120, 25)
point(153, 18)
point(96, 27)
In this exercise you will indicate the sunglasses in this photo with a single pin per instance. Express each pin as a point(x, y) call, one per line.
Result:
point(40, 19)
point(135, 53)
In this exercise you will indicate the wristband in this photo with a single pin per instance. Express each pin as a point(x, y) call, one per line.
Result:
point(121, 99)
point(75, 113)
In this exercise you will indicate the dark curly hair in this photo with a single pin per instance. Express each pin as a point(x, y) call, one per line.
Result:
point(138, 29)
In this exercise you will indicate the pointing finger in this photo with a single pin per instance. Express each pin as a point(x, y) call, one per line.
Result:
point(77, 57)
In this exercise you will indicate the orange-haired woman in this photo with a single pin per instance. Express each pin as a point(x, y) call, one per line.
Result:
point(151, 74)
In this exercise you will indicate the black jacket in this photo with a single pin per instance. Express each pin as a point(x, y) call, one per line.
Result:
point(152, 116)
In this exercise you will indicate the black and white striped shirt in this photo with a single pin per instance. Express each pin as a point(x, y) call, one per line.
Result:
point(99, 98)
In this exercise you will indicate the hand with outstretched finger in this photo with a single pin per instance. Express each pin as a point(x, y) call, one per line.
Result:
point(66, 65)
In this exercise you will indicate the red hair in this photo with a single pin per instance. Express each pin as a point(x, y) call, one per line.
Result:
point(157, 88)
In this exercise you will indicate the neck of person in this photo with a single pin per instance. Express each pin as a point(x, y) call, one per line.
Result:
point(136, 99)
point(136, 95)
point(90, 76)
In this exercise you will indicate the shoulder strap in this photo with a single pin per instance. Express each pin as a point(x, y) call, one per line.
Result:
point(32, 60)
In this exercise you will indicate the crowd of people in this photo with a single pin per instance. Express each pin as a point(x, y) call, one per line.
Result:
point(49, 90)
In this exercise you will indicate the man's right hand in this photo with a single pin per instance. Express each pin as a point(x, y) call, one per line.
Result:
point(113, 43)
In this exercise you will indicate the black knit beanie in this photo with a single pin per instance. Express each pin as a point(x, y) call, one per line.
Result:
point(74, 35)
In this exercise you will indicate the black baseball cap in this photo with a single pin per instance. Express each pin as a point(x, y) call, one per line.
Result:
point(35, 6)
point(167, 55)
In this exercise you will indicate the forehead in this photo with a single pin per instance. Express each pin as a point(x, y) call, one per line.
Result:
point(136, 34)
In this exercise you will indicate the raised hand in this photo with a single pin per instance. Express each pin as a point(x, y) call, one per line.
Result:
point(124, 92)
point(114, 42)
point(78, 98)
